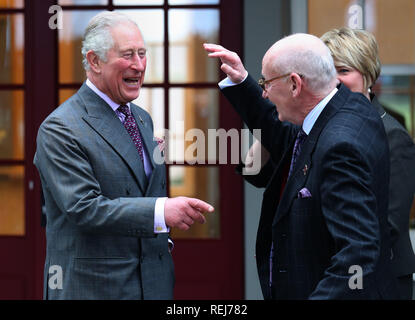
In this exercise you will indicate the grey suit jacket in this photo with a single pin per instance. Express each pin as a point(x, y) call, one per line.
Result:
point(100, 206)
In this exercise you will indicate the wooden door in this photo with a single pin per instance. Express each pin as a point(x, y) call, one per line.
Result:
point(180, 85)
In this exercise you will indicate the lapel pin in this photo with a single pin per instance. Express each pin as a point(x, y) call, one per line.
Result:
point(305, 169)
point(141, 120)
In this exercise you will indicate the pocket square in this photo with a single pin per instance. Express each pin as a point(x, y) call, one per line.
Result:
point(161, 145)
point(304, 193)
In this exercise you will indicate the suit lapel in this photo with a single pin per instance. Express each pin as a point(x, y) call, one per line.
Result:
point(149, 143)
point(145, 132)
point(375, 102)
point(105, 122)
point(300, 173)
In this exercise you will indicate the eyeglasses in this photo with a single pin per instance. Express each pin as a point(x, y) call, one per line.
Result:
point(262, 82)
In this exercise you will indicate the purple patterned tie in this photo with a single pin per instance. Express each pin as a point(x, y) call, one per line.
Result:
point(132, 129)
point(297, 149)
point(296, 152)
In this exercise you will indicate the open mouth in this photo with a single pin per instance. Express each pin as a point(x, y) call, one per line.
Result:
point(133, 81)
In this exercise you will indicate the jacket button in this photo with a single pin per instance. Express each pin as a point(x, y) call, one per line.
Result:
point(160, 255)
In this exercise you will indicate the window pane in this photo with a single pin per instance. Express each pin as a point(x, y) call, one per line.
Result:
point(193, 1)
point(11, 125)
point(65, 94)
point(82, 2)
point(188, 30)
point(11, 48)
point(201, 183)
point(391, 22)
point(152, 100)
point(70, 43)
point(151, 24)
point(137, 2)
point(192, 112)
point(12, 201)
point(12, 4)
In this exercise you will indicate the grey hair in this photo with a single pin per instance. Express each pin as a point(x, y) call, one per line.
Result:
point(316, 65)
point(97, 36)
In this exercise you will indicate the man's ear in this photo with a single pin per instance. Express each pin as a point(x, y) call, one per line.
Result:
point(93, 61)
point(296, 84)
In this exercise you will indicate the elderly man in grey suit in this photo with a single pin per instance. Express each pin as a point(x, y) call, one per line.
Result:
point(108, 217)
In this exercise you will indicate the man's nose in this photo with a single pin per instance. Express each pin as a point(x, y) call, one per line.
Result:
point(138, 63)
point(264, 94)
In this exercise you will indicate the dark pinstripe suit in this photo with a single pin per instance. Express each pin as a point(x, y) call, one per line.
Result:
point(317, 240)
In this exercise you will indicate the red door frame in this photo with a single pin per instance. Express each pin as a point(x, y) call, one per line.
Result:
point(201, 263)
point(198, 263)
point(21, 270)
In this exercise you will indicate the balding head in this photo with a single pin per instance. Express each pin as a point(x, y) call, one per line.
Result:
point(304, 54)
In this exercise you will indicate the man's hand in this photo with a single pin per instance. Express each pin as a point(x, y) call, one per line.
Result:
point(255, 153)
point(182, 212)
point(231, 63)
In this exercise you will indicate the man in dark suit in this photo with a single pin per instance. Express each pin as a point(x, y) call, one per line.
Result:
point(108, 217)
point(323, 229)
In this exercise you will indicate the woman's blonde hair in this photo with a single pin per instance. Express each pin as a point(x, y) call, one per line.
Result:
point(356, 49)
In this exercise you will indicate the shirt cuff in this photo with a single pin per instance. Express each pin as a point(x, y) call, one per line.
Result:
point(159, 222)
point(225, 83)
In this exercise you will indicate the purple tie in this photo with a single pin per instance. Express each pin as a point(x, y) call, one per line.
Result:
point(297, 149)
point(296, 152)
point(131, 127)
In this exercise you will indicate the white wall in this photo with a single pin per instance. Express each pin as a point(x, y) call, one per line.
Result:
point(265, 21)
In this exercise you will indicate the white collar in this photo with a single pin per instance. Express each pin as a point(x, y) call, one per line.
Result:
point(114, 106)
point(313, 115)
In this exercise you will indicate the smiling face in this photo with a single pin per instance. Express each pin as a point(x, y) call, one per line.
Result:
point(122, 75)
point(280, 91)
point(351, 78)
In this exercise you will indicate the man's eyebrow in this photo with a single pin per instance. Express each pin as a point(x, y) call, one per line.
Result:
point(133, 50)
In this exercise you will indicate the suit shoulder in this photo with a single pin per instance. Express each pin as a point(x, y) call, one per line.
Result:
point(143, 114)
point(357, 127)
point(66, 109)
point(141, 110)
point(391, 124)
point(398, 137)
point(66, 115)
